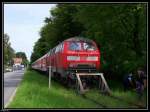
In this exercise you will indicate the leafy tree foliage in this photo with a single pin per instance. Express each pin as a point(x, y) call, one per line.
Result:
point(8, 51)
point(57, 28)
point(118, 29)
point(23, 56)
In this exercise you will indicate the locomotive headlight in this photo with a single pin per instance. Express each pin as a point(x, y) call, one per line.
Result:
point(92, 58)
point(73, 58)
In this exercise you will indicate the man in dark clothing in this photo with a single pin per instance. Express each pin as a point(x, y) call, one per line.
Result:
point(141, 76)
point(139, 89)
point(128, 81)
point(140, 83)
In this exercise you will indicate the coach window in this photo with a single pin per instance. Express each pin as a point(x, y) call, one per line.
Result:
point(52, 52)
point(61, 47)
point(49, 53)
point(57, 49)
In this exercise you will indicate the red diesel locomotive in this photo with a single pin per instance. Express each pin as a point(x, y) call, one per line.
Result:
point(71, 56)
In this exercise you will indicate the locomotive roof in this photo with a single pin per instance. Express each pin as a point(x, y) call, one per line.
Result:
point(79, 39)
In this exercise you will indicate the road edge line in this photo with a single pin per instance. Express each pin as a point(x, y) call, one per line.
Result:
point(11, 98)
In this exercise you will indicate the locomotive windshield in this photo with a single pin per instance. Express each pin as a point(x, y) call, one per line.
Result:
point(75, 46)
point(78, 46)
point(89, 46)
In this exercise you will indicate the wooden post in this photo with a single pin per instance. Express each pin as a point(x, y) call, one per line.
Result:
point(49, 76)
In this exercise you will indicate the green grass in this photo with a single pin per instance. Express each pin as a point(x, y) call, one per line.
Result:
point(33, 92)
point(130, 96)
point(121, 100)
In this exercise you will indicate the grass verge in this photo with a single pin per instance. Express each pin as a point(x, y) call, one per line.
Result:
point(33, 92)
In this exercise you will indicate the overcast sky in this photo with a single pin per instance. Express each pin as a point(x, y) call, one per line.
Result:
point(22, 22)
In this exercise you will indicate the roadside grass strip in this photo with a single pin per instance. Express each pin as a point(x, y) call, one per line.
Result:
point(33, 92)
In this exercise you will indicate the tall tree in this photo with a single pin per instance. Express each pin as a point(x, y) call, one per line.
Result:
point(8, 51)
point(23, 56)
point(118, 29)
point(58, 27)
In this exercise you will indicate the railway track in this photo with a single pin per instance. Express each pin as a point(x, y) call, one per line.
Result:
point(117, 98)
point(131, 103)
point(100, 105)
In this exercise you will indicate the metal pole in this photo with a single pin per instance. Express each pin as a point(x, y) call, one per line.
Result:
point(49, 76)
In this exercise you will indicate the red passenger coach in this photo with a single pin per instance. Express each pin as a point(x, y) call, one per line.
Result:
point(71, 56)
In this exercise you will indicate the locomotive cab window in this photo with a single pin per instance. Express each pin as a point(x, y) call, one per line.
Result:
point(53, 51)
point(89, 46)
point(75, 46)
point(61, 47)
point(57, 48)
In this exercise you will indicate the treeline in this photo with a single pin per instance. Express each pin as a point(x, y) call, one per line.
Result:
point(9, 53)
point(23, 56)
point(118, 29)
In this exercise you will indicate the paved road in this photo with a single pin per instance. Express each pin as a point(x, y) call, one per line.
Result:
point(11, 81)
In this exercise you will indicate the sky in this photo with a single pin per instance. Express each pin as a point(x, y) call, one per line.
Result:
point(22, 22)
